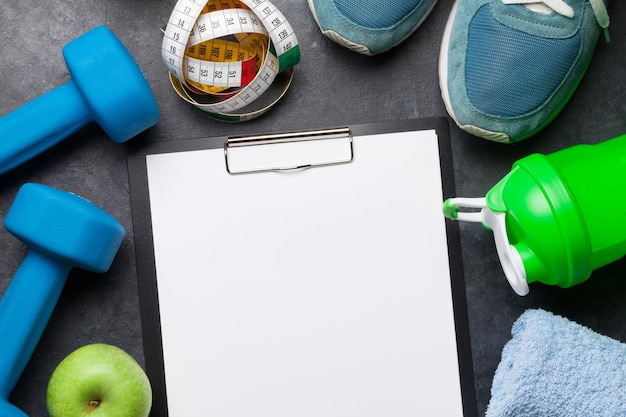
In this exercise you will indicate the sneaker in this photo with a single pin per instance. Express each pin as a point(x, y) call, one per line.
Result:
point(369, 27)
point(508, 67)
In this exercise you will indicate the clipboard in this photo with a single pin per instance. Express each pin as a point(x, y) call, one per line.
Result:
point(330, 284)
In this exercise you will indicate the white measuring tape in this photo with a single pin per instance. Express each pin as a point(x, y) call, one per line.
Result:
point(223, 55)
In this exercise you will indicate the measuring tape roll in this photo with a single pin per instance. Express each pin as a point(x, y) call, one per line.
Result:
point(223, 55)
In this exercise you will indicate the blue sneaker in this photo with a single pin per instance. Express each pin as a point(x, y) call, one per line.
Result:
point(370, 27)
point(508, 67)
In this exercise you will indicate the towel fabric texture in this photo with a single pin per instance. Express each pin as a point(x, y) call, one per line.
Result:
point(553, 367)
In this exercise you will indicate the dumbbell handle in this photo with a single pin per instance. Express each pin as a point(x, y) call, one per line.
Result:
point(25, 309)
point(40, 124)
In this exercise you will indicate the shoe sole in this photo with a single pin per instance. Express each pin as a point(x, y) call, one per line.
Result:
point(346, 43)
point(443, 85)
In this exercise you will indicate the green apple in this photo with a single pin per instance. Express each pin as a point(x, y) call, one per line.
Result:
point(99, 380)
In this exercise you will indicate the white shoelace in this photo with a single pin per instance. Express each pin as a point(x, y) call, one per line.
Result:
point(562, 8)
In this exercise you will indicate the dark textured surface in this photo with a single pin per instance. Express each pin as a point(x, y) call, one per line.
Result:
point(332, 86)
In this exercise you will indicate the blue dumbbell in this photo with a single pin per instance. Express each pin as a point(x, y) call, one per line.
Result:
point(106, 87)
point(62, 231)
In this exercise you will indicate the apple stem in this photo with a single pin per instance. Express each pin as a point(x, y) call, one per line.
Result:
point(91, 406)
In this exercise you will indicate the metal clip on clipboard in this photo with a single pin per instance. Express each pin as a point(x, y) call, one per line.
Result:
point(288, 151)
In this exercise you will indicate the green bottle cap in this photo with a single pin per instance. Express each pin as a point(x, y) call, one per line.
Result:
point(543, 223)
point(556, 217)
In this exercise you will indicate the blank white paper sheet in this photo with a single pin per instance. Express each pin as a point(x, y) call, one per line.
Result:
point(322, 292)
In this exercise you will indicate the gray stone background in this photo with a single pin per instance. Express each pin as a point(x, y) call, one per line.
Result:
point(332, 87)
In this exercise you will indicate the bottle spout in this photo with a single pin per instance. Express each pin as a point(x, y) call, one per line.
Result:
point(510, 258)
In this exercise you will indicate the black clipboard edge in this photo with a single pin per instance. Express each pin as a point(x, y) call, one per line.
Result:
point(146, 269)
point(457, 278)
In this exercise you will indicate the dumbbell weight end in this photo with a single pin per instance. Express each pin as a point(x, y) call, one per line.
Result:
point(106, 87)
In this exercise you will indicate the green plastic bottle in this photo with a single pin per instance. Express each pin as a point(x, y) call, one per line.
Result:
point(555, 217)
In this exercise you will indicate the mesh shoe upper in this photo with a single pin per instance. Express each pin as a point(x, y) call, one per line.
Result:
point(376, 15)
point(506, 70)
point(369, 26)
point(511, 73)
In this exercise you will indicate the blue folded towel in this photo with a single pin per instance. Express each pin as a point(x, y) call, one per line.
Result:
point(553, 367)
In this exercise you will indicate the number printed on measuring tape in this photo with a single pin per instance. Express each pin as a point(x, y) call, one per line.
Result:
point(231, 49)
